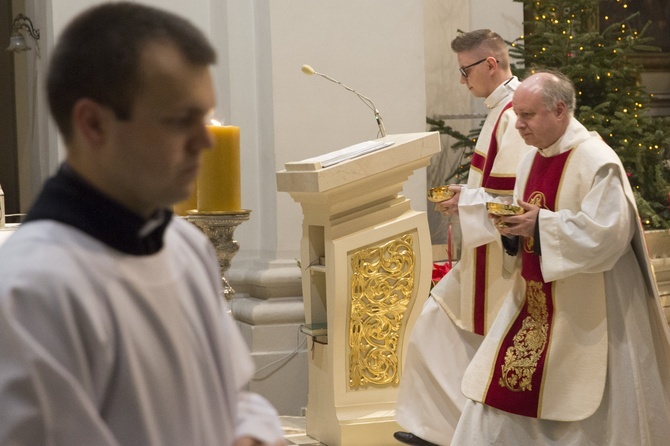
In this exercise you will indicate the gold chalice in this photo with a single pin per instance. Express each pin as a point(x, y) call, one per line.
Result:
point(501, 209)
point(440, 193)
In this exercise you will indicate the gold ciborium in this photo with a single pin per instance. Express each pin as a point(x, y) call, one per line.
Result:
point(219, 227)
point(502, 209)
point(440, 193)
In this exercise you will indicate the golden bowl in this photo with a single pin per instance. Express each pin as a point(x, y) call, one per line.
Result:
point(441, 193)
point(501, 209)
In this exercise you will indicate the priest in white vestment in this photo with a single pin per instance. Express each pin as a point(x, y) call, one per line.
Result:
point(580, 351)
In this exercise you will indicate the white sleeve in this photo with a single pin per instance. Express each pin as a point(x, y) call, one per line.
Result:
point(592, 239)
point(257, 418)
point(476, 228)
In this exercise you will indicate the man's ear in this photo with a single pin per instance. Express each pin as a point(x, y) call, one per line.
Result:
point(492, 63)
point(561, 110)
point(90, 121)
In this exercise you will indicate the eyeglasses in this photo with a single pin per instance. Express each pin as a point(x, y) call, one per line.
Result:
point(465, 73)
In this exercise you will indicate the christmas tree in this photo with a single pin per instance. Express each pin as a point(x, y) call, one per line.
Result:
point(600, 56)
point(465, 145)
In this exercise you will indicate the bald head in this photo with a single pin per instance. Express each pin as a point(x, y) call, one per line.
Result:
point(554, 87)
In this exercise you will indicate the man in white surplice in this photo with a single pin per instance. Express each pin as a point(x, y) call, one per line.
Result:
point(113, 329)
point(579, 353)
point(464, 303)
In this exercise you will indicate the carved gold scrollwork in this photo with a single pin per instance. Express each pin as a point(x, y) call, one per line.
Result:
point(381, 287)
point(529, 342)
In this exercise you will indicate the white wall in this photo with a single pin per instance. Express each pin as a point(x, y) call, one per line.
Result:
point(375, 47)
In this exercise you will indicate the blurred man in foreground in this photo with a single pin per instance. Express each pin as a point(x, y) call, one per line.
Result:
point(113, 330)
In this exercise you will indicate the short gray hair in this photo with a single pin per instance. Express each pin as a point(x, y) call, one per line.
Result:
point(557, 87)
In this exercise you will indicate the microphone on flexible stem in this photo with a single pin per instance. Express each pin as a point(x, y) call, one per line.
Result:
point(366, 100)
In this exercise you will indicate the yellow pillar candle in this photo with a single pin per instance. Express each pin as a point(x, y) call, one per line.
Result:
point(219, 178)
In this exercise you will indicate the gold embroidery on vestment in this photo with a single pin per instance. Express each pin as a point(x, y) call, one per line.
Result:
point(529, 342)
point(538, 199)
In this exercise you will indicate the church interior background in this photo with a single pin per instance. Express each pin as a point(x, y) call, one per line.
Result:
point(393, 51)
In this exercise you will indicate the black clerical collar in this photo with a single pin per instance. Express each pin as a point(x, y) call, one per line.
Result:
point(69, 199)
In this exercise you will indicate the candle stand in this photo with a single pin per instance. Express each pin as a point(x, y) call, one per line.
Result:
point(219, 227)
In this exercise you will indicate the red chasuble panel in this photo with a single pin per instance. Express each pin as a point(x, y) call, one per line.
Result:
point(485, 165)
point(516, 383)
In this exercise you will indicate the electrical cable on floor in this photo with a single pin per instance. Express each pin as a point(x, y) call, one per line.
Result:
point(289, 356)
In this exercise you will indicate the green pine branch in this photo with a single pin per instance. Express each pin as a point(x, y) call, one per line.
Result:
point(464, 145)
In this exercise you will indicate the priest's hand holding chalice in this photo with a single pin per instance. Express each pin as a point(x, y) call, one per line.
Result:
point(445, 198)
point(514, 220)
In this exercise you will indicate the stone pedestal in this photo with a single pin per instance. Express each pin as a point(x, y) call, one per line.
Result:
point(271, 329)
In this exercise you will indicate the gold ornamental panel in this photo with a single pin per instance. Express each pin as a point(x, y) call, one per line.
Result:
point(522, 357)
point(381, 288)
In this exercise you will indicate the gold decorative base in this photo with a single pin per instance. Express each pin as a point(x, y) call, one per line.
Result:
point(219, 227)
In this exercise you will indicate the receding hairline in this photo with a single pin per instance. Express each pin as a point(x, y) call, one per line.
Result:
point(553, 87)
point(537, 81)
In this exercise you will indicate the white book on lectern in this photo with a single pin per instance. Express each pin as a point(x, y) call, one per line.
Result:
point(332, 158)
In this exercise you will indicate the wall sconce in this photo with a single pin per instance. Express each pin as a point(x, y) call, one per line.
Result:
point(17, 43)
